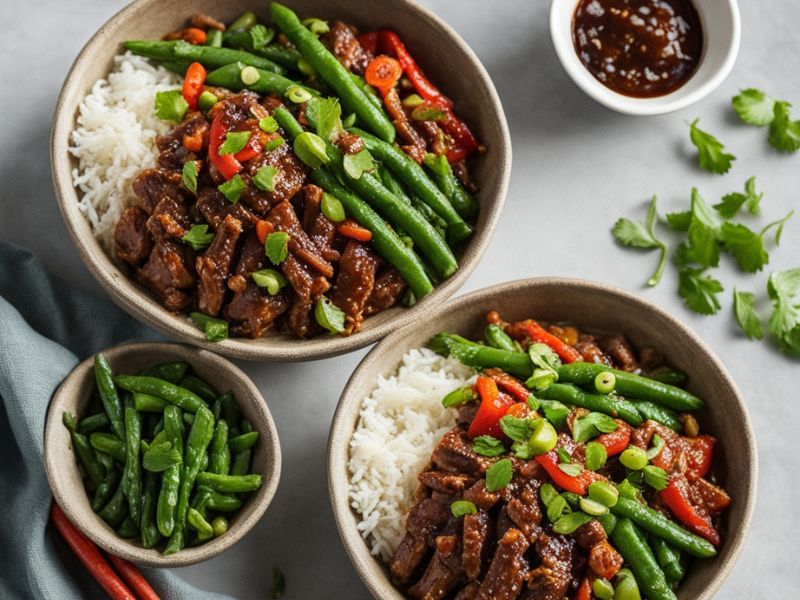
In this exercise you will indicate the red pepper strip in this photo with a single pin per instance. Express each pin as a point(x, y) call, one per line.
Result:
point(251, 150)
point(465, 141)
point(518, 409)
point(369, 42)
point(584, 591)
point(494, 406)
point(349, 228)
point(193, 83)
point(701, 451)
point(677, 500)
point(509, 384)
point(226, 164)
point(576, 485)
point(263, 229)
point(537, 333)
point(616, 441)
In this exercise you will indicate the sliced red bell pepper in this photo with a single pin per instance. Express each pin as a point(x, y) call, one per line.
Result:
point(518, 409)
point(466, 142)
point(676, 498)
point(226, 164)
point(577, 485)
point(537, 333)
point(193, 83)
point(616, 441)
point(494, 406)
point(251, 150)
point(509, 384)
point(701, 451)
point(584, 591)
point(369, 42)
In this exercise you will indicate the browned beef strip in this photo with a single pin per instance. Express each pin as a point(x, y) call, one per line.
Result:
point(204, 21)
point(469, 591)
point(604, 558)
point(252, 311)
point(444, 570)
point(508, 568)
point(171, 152)
point(552, 578)
point(319, 228)
point(342, 41)
point(252, 257)
point(424, 522)
point(590, 351)
point(389, 287)
point(283, 218)
point(477, 540)
point(454, 453)
point(523, 508)
point(306, 289)
point(480, 496)
point(442, 481)
point(151, 185)
point(354, 283)
point(168, 273)
point(415, 147)
point(214, 266)
point(290, 178)
point(620, 351)
point(214, 207)
point(132, 242)
point(350, 143)
point(170, 219)
point(589, 534)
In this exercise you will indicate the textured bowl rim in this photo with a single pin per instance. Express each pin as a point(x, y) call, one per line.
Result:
point(92, 526)
point(339, 440)
point(122, 290)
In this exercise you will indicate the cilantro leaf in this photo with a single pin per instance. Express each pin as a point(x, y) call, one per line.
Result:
point(731, 203)
point(679, 221)
point(260, 36)
point(486, 445)
point(355, 165)
point(642, 235)
point(784, 134)
point(699, 291)
point(712, 155)
point(233, 188)
point(591, 425)
point(264, 179)
point(160, 457)
point(170, 106)
point(754, 107)
point(198, 237)
point(744, 307)
point(519, 430)
point(784, 322)
point(745, 245)
point(189, 175)
point(329, 316)
point(704, 231)
point(276, 247)
point(499, 475)
point(216, 330)
point(325, 114)
point(235, 141)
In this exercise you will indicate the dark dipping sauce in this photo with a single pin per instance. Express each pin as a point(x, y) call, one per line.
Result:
point(640, 48)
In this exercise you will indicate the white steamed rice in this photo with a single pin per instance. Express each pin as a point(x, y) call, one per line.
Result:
point(114, 139)
point(399, 425)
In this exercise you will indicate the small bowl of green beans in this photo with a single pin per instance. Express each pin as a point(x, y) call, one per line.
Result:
point(161, 454)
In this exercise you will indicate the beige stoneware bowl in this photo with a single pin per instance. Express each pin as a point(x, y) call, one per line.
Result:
point(461, 76)
point(594, 306)
point(62, 465)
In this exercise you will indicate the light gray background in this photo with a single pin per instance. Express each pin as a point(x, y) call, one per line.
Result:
point(577, 167)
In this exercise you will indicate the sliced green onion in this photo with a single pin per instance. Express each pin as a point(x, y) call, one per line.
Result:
point(425, 112)
point(412, 101)
point(270, 279)
point(548, 493)
point(604, 493)
point(332, 208)
point(276, 247)
point(592, 507)
point(316, 26)
point(297, 94)
point(206, 100)
point(249, 75)
point(233, 188)
point(596, 456)
point(329, 316)
point(459, 396)
point(571, 469)
point(627, 490)
point(543, 439)
point(557, 508)
point(603, 589)
point(235, 141)
point(655, 477)
point(268, 125)
point(569, 523)
point(264, 179)
point(305, 68)
point(658, 445)
point(563, 455)
point(311, 149)
point(273, 144)
point(216, 330)
point(633, 458)
point(460, 508)
point(605, 382)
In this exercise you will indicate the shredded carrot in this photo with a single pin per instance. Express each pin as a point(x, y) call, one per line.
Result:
point(193, 83)
point(353, 230)
point(195, 36)
point(382, 73)
point(194, 142)
point(263, 229)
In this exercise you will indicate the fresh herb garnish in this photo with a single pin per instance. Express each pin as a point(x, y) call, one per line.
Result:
point(270, 279)
point(747, 246)
point(189, 175)
point(329, 316)
point(596, 455)
point(571, 469)
point(519, 430)
point(591, 425)
point(784, 323)
point(310, 148)
point(160, 457)
point(235, 141)
point(216, 330)
point(486, 445)
point(642, 235)
point(784, 134)
point(276, 247)
point(555, 412)
point(703, 233)
point(461, 508)
point(264, 179)
point(563, 455)
point(699, 291)
point(499, 475)
point(754, 107)
point(233, 188)
point(712, 155)
point(273, 144)
point(556, 508)
point(324, 114)
point(198, 237)
point(731, 203)
point(355, 165)
point(260, 36)
point(170, 106)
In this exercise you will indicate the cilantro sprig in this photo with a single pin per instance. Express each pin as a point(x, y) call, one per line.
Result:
point(754, 107)
point(711, 152)
point(642, 235)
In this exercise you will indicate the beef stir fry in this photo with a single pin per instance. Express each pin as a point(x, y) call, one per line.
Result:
point(313, 178)
point(575, 470)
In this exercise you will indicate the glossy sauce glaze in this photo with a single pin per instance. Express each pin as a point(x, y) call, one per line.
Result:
point(640, 48)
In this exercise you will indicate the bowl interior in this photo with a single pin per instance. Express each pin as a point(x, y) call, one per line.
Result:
point(461, 77)
point(74, 396)
point(593, 306)
point(721, 34)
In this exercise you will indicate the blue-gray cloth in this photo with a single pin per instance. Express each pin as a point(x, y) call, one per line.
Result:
point(46, 328)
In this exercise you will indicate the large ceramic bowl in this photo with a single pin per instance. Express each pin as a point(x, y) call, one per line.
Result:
point(590, 305)
point(461, 76)
point(61, 464)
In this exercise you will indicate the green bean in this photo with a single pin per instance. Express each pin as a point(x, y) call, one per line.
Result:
point(220, 451)
point(148, 403)
point(170, 480)
point(610, 405)
point(399, 214)
point(632, 385)
point(244, 441)
point(230, 411)
point(230, 76)
point(419, 183)
point(464, 203)
point(188, 418)
point(222, 502)
point(630, 543)
point(214, 38)
point(667, 375)
point(127, 528)
point(106, 462)
point(658, 525)
point(169, 371)
point(244, 21)
point(497, 338)
point(179, 68)
point(230, 483)
point(210, 57)
point(672, 561)
point(108, 443)
point(195, 450)
point(165, 390)
point(83, 449)
point(655, 412)
point(149, 529)
point(332, 72)
point(106, 489)
point(219, 525)
point(194, 384)
point(608, 521)
point(156, 425)
point(132, 472)
point(108, 394)
point(393, 185)
point(368, 90)
point(116, 508)
point(241, 462)
point(93, 423)
point(479, 356)
point(198, 522)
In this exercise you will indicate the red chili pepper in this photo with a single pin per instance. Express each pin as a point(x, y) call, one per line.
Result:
point(701, 451)
point(537, 333)
point(466, 143)
point(251, 150)
point(226, 164)
point(392, 44)
point(494, 406)
point(509, 384)
point(676, 498)
point(134, 578)
point(616, 441)
point(193, 83)
point(369, 42)
point(584, 591)
point(351, 229)
point(577, 485)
